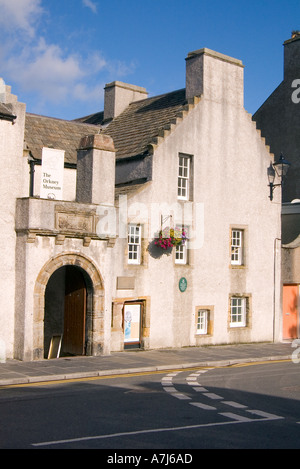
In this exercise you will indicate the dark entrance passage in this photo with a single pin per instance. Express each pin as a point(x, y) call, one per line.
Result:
point(65, 311)
point(74, 312)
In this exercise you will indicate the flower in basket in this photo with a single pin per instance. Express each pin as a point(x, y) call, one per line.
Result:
point(170, 237)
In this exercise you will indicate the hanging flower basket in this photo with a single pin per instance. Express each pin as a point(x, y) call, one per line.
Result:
point(170, 237)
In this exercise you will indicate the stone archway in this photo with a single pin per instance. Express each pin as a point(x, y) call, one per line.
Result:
point(95, 306)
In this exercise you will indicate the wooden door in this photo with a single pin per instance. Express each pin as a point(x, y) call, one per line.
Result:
point(290, 305)
point(74, 312)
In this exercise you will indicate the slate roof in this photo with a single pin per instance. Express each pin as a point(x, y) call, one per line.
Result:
point(95, 119)
point(141, 122)
point(41, 131)
point(132, 131)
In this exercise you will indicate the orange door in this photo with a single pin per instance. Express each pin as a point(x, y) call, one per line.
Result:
point(74, 312)
point(290, 304)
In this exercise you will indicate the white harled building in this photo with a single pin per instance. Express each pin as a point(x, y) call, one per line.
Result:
point(146, 225)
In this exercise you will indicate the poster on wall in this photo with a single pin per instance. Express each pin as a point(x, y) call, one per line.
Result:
point(132, 323)
point(52, 174)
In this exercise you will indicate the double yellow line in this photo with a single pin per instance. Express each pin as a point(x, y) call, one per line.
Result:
point(142, 373)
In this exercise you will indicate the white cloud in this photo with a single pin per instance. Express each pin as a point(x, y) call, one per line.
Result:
point(90, 4)
point(96, 62)
point(55, 77)
point(88, 94)
point(20, 15)
point(45, 69)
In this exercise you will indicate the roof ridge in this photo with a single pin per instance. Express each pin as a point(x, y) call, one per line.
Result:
point(144, 124)
point(156, 96)
point(72, 122)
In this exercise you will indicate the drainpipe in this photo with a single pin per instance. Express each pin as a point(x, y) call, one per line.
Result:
point(31, 163)
point(274, 288)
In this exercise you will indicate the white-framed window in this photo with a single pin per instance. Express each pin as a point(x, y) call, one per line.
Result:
point(183, 177)
point(202, 320)
point(134, 244)
point(237, 311)
point(236, 247)
point(181, 254)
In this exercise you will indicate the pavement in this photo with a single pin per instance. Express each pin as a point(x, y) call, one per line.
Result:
point(14, 372)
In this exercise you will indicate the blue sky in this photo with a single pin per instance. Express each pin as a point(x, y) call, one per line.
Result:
point(58, 54)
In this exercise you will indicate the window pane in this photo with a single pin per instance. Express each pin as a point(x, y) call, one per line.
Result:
point(181, 254)
point(236, 247)
point(181, 251)
point(183, 177)
point(202, 319)
point(134, 244)
point(238, 312)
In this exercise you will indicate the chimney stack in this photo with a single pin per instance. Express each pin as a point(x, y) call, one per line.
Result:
point(216, 76)
point(118, 95)
point(292, 56)
point(96, 170)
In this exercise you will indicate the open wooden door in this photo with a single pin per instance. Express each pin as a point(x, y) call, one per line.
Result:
point(74, 312)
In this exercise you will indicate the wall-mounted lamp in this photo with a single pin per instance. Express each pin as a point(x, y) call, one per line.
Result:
point(280, 168)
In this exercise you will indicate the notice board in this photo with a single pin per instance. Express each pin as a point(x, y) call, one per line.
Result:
point(52, 174)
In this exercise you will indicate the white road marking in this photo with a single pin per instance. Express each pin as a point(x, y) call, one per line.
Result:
point(170, 389)
point(167, 383)
point(141, 432)
point(237, 417)
point(203, 406)
point(265, 415)
point(200, 389)
point(212, 395)
point(235, 404)
point(180, 395)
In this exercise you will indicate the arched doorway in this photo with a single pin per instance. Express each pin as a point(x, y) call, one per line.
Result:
point(65, 311)
point(68, 275)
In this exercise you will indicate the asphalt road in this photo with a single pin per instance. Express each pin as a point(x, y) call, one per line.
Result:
point(253, 406)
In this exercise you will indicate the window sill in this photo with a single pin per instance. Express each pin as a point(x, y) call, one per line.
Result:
point(237, 327)
point(203, 335)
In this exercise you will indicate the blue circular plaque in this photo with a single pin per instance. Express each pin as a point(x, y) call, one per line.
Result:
point(182, 284)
